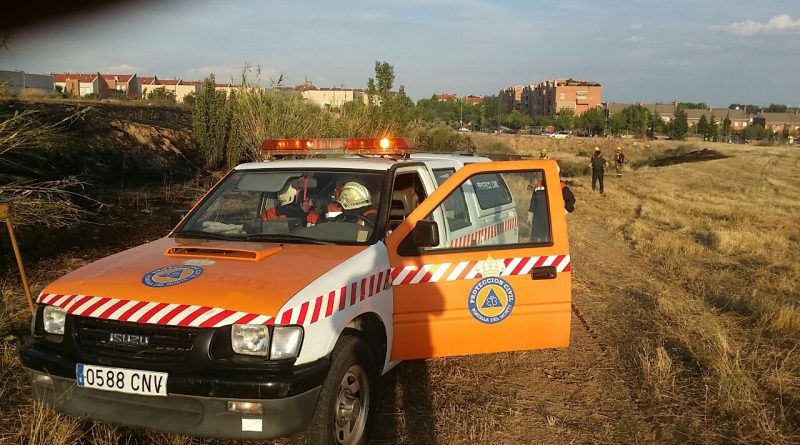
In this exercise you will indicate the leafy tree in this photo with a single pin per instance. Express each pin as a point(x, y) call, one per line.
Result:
point(680, 125)
point(189, 99)
point(593, 120)
point(713, 128)
point(211, 123)
point(726, 127)
point(493, 111)
point(637, 119)
point(160, 95)
point(755, 132)
point(776, 108)
point(617, 124)
point(749, 109)
point(390, 113)
point(565, 119)
point(702, 126)
point(656, 124)
point(517, 120)
point(692, 106)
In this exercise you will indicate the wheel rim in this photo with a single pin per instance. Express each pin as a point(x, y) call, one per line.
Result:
point(352, 406)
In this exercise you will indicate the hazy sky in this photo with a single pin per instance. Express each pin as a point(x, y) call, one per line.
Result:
point(717, 51)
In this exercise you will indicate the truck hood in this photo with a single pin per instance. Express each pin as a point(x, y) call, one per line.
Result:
point(195, 282)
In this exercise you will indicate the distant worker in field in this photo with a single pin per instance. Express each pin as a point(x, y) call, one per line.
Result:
point(619, 159)
point(598, 165)
point(543, 154)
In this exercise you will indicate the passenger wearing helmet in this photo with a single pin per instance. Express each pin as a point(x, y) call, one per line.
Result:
point(598, 165)
point(543, 154)
point(619, 159)
point(356, 203)
point(291, 206)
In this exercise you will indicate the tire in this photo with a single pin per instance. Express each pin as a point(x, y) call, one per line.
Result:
point(348, 402)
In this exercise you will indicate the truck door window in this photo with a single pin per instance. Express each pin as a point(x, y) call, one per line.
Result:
point(516, 212)
point(407, 192)
point(455, 206)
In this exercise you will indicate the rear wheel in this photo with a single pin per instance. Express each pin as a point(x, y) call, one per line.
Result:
point(347, 403)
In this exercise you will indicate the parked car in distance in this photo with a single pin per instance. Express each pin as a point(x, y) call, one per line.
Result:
point(559, 135)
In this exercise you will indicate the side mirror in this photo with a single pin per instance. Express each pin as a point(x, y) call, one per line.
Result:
point(425, 234)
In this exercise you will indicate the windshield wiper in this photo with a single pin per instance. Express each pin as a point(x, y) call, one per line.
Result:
point(207, 235)
point(285, 237)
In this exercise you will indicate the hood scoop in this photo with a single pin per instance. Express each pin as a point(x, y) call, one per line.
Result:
point(221, 252)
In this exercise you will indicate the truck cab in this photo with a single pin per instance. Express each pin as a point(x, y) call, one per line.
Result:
point(278, 301)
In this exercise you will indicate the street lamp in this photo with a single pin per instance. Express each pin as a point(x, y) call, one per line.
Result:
point(461, 119)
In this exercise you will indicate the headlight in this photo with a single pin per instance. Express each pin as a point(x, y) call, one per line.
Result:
point(286, 341)
point(250, 339)
point(54, 318)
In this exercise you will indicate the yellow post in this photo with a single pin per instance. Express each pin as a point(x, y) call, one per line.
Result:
point(5, 213)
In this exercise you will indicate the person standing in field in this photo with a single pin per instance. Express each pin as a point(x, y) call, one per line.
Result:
point(598, 165)
point(619, 159)
point(543, 154)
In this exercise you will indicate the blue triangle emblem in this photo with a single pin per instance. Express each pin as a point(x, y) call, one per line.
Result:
point(176, 274)
point(491, 301)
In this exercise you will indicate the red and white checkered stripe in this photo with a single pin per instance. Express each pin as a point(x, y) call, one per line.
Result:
point(170, 314)
point(486, 233)
point(329, 303)
point(465, 270)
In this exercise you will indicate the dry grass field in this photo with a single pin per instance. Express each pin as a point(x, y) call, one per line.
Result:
point(686, 318)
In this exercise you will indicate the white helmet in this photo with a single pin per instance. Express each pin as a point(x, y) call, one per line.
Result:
point(287, 195)
point(353, 196)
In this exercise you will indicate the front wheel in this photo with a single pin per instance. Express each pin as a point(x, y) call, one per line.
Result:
point(347, 403)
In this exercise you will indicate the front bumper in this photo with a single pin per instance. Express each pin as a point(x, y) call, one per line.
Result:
point(197, 402)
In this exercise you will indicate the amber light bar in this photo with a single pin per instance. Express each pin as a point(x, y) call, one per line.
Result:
point(385, 145)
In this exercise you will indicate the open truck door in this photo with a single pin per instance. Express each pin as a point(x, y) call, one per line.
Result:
point(499, 293)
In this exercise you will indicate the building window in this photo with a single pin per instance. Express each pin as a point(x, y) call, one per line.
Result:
point(563, 96)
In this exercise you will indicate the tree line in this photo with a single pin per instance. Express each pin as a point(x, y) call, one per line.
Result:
point(229, 127)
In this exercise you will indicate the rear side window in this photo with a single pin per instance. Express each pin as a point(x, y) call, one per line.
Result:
point(441, 175)
point(455, 206)
point(491, 190)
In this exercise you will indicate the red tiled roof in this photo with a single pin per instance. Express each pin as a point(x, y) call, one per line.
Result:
point(225, 85)
point(118, 77)
point(170, 81)
point(192, 83)
point(80, 77)
point(147, 80)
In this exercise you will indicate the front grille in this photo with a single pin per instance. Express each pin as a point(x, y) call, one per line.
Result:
point(166, 343)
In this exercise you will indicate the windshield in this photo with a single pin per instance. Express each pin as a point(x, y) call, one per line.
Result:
point(290, 206)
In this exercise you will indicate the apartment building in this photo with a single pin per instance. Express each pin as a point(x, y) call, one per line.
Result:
point(548, 98)
point(511, 98)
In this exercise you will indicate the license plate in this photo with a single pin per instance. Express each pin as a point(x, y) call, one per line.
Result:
point(131, 381)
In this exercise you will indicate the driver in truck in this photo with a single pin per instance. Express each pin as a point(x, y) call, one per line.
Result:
point(289, 207)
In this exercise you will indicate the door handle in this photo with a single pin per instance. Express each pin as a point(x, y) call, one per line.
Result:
point(544, 273)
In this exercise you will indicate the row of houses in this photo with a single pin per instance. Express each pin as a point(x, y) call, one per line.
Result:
point(739, 117)
point(133, 86)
